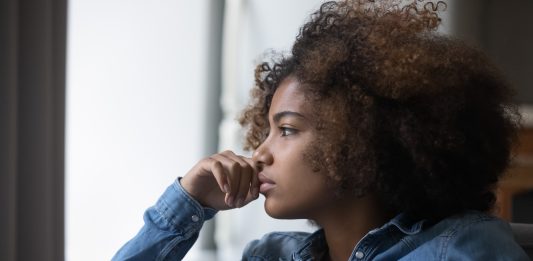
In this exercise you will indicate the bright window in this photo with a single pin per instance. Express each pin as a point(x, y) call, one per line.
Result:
point(136, 85)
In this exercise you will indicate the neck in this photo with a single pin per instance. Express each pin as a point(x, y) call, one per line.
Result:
point(346, 223)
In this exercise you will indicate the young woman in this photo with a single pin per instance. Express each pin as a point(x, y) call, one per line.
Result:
point(387, 135)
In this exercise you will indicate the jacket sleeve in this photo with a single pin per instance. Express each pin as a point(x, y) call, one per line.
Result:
point(170, 228)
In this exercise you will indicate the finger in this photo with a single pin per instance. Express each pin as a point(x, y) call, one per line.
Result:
point(218, 172)
point(249, 198)
point(247, 173)
point(223, 178)
point(233, 173)
point(254, 186)
point(244, 188)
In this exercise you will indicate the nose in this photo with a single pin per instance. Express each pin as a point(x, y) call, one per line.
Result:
point(263, 156)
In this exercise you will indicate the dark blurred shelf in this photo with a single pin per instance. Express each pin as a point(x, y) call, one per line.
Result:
point(518, 180)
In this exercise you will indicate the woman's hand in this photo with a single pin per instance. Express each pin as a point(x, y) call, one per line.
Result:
point(223, 181)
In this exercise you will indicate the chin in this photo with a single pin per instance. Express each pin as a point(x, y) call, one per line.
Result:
point(278, 211)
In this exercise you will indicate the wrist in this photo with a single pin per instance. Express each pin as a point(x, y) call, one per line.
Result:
point(186, 185)
point(189, 189)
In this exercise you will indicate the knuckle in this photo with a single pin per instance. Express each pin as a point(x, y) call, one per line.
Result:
point(216, 163)
point(248, 161)
point(227, 152)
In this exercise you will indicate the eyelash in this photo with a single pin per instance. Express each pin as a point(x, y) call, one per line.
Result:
point(284, 131)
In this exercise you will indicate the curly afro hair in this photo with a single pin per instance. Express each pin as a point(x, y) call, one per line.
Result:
point(420, 119)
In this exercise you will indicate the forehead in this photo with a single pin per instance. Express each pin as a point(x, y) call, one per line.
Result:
point(289, 97)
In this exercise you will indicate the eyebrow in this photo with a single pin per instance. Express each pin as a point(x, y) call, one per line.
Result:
point(278, 116)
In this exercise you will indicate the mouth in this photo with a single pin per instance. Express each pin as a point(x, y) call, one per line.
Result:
point(266, 183)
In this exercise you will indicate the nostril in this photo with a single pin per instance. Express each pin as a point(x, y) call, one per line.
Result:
point(259, 166)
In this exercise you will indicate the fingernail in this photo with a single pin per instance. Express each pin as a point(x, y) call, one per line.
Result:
point(230, 201)
point(226, 188)
point(239, 202)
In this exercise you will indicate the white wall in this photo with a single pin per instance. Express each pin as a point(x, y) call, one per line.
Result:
point(136, 84)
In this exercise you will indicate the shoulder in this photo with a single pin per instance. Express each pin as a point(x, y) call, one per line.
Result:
point(275, 245)
point(478, 236)
point(471, 221)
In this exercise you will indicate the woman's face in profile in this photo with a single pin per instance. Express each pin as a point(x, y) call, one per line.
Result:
point(290, 186)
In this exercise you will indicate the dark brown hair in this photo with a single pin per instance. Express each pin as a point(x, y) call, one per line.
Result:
point(420, 119)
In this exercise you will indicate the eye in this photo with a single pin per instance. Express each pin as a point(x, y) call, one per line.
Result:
point(285, 131)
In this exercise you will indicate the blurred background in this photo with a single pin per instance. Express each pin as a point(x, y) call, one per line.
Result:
point(105, 103)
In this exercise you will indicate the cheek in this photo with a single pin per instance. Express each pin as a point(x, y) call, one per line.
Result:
point(314, 158)
point(301, 166)
point(300, 198)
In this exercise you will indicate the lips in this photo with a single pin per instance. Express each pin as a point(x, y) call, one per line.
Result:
point(266, 183)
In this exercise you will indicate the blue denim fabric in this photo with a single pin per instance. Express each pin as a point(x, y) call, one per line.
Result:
point(172, 226)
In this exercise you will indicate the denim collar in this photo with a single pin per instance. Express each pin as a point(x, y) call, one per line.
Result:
point(406, 224)
point(316, 244)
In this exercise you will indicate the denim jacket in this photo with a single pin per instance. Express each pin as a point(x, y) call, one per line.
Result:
point(172, 226)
